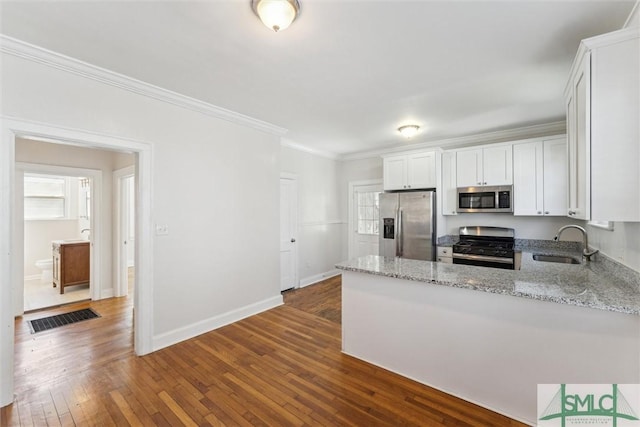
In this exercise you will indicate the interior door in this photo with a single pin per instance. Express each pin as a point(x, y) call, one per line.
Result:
point(288, 233)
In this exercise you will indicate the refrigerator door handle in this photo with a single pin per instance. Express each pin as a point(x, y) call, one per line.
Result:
point(400, 236)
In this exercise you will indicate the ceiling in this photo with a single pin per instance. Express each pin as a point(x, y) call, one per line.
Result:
point(346, 74)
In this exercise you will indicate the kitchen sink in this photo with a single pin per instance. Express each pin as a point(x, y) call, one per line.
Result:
point(556, 258)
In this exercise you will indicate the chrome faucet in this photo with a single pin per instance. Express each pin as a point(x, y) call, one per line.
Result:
point(586, 253)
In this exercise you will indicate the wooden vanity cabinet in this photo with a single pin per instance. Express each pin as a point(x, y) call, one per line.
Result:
point(70, 264)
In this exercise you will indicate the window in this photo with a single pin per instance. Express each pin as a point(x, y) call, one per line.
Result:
point(368, 212)
point(607, 225)
point(45, 196)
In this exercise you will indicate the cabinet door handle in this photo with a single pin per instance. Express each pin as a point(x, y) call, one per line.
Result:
point(539, 213)
point(293, 240)
point(479, 183)
point(484, 183)
point(546, 212)
point(572, 212)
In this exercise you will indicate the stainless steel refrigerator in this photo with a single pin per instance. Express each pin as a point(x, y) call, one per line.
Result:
point(408, 225)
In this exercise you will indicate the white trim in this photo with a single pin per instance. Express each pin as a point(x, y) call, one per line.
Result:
point(10, 129)
point(469, 140)
point(121, 287)
point(295, 146)
point(32, 277)
point(318, 277)
point(21, 49)
point(611, 38)
point(7, 173)
point(351, 230)
point(198, 328)
point(96, 286)
point(322, 223)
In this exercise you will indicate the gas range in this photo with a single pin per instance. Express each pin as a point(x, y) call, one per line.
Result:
point(485, 246)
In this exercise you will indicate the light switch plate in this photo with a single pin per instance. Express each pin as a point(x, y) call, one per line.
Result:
point(162, 229)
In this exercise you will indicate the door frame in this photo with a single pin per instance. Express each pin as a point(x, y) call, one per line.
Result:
point(12, 128)
point(95, 221)
point(296, 276)
point(121, 262)
point(353, 185)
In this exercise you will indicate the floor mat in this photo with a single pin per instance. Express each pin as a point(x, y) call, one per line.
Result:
point(46, 323)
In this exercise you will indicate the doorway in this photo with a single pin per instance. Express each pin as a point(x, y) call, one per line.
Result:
point(124, 184)
point(11, 129)
point(288, 231)
point(58, 219)
point(364, 217)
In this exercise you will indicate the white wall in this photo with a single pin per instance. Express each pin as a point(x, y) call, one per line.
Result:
point(526, 227)
point(321, 226)
point(621, 244)
point(210, 178)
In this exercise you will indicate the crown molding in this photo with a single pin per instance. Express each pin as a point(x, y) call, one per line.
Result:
point(295, 146)
point(634, 12)
point(612, 37)
point(526, 132)
point(40, 55)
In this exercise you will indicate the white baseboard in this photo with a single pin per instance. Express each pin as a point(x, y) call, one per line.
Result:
point(318, 278)
point(181, 334)
point(107, 293)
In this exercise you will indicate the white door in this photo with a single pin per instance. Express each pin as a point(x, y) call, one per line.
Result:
point(130, 219)
point(124, 185)
point(288, 233)
point(365, 219)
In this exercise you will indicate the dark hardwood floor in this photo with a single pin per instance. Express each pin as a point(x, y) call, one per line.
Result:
point(282, 367)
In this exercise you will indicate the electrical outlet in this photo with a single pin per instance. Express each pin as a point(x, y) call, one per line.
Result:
point(162, 229)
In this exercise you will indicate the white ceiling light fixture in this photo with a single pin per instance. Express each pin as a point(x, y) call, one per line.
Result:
point(409, 131)
point(276, 14)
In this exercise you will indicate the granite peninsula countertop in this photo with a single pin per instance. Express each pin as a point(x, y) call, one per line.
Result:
point(601, 284)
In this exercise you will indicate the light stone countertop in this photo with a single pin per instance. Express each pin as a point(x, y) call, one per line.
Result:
point(601, 284)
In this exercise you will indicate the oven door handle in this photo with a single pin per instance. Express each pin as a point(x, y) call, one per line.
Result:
point(483, 258)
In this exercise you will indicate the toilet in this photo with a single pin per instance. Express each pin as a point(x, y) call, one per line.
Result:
point(46, 266)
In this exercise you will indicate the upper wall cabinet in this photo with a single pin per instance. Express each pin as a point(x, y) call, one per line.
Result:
point(410, 171)
point(449, 194)
point(489, 165)
point(603, 105)
point(540, 177)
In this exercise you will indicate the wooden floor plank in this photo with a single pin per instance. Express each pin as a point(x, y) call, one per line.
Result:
point(280, 367)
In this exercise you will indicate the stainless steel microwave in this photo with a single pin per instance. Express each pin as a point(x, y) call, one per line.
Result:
point(485, 199)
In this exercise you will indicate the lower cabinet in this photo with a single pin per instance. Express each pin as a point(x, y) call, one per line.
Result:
point(445, 254)
point(70, 264)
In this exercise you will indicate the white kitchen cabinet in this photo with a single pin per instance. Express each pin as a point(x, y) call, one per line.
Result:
point(410, 171)
point(540, 177)
point(445, 254)
point(578, 136)
point(487, 165)
point(615, 129)
point(603, 105)
point(449, 197)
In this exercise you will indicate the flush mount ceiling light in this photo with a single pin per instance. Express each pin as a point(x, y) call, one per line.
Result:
point(409, 130)
point(276, 14)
